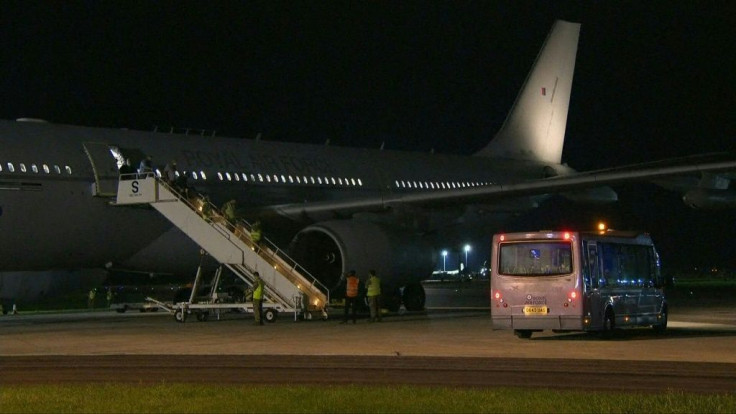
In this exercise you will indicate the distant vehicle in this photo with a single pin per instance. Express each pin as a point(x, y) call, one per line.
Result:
point(569, 281)
point(130, 290)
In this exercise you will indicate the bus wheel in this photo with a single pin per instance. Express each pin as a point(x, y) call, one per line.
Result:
point(609, 323)
point(662, 326)
point(523, 333)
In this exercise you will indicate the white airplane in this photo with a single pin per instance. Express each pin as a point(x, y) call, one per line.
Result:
point(335, 208)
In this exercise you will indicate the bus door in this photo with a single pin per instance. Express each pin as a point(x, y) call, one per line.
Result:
point(594, 302)
point(651, 295)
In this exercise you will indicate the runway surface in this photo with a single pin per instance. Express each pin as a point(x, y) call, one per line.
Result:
point(438, 347)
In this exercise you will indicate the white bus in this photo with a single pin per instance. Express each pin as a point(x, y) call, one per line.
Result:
point(575, 281)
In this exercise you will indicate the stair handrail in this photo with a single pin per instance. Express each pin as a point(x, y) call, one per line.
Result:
point(272, 247)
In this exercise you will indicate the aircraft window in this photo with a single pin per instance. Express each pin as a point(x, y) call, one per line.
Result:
point(22, 167)
point(291, 180)
point(319, 180)
point(260, 178)
point(311, 179)
point(34, 168)
point(268, 178)
point(333, 180)
point(326, 181)
point(252, 177)
point(421, 184)
point(219, 175)
point(68, 169)
point(275, 178)
point(298, 180)
point(352, 180)
point(360, 183)
point(56, 168)
point(202, 174)
point(158, 173)
point(236, 176)
point(283, 179)
point(432, 185)
point(194, 175)
point(1, 167)
point(227, 175)
point(11, 168)
point(245, 177)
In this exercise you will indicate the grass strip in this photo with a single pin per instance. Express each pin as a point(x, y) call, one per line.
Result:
point(199, 398)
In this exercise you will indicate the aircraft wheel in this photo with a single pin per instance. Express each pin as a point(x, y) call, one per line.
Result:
point(414, 297)
point(270, 315)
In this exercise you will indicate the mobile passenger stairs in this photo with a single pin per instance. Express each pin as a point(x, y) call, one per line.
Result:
point(288, 287)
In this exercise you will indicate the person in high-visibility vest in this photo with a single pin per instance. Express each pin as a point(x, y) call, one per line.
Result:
point(258, 298)
point(91, 298)
point(255, 232)
point(229, 210)
point(373, 287)
point(351, 294)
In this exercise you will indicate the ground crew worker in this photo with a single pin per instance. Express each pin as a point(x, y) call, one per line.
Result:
point(351, 294)
point(373, 286)
point(258, 298)
point(91, 298)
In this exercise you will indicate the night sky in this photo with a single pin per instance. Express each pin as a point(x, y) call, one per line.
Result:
point(653, 80)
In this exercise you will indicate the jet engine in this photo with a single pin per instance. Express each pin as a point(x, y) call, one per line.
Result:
point(401, 259)
point(703, 198)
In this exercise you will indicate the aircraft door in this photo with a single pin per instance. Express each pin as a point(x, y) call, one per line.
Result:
point(104, 168)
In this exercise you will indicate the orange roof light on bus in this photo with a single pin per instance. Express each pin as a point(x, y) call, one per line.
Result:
point(502, 237)
point(566, 235)
point(601, 226)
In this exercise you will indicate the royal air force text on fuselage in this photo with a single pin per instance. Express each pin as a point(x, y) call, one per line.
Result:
point(228, 160)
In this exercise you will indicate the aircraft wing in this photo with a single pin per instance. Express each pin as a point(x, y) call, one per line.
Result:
point(658, 173)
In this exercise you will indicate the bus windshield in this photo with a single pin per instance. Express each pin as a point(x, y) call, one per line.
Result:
point(537, 258)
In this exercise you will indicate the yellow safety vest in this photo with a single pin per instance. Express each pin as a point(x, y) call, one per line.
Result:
point(258, 291)
point(374, 286)
point(352, 287)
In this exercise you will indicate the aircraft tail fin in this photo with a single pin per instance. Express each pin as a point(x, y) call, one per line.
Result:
point(534, 130)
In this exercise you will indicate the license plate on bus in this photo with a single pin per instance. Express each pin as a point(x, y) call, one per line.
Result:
point(535, 310)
